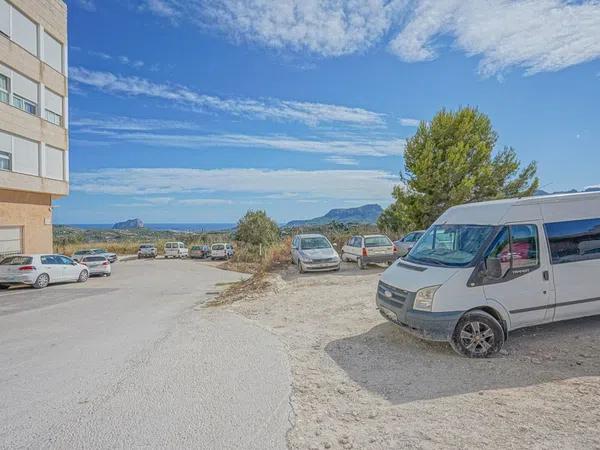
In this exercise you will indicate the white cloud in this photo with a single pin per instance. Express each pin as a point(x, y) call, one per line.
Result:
point(125, 60)
point(539, 35)
point(88, 5)
point(333, 184)
point(352, 146)
point(285, 110)
point(407, 122)
point(121, 123)
point(342, 160)
point(204, 201)
point(163, 8)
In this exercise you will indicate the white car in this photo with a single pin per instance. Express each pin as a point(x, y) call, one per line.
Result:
point(221, 251)
point(370, 249)
point(485, 269)
point(97, 265)
point(176, 250)
point(40, 270)
point(314, 253)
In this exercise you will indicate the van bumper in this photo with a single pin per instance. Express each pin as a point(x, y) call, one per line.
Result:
point(431, 326)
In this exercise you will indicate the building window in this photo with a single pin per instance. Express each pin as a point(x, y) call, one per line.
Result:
point(3, 88)
point(5, 161)
point(53, 118)
point(25, 105)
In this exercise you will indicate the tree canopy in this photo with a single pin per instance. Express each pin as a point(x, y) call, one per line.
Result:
point(451, 161)
point(257, 228)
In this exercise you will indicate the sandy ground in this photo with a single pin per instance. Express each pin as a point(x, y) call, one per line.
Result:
point(360, 382)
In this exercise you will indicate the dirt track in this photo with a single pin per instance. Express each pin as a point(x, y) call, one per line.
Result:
point(360, 382)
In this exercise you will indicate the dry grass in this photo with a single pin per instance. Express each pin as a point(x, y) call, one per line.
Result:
point(273, 259)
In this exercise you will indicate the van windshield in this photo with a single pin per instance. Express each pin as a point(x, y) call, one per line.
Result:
point(451, 245)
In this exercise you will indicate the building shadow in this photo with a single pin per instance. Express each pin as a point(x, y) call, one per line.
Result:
point(403, 368)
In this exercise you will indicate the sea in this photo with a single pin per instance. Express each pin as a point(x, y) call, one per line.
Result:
point(195, 227)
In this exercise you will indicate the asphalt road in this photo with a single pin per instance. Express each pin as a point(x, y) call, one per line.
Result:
point(134, 360)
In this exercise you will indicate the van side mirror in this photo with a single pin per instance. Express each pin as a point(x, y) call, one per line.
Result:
point(493, 267)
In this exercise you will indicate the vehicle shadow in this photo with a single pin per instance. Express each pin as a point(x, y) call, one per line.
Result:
point(403, 368)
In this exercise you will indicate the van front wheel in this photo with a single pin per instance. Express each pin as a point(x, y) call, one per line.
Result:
point(477, 335)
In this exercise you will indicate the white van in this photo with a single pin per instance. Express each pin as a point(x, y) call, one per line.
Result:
point(485, 269)
point(176, 250)
point(221, 251)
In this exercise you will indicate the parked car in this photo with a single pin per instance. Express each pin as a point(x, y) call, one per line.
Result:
point(40, 270)
point(79, 254)
point(97, 265)
point(406, 244)
point(483, 270)
point(200, 251)
point(221, 251)
point(314, 252)
point(147, 251)
point(176, 250)
point(369, 249)
point(112, 257)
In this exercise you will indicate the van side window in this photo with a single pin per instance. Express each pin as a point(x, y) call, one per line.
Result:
point(501, 249)
point(577, 240)
point(516, 247)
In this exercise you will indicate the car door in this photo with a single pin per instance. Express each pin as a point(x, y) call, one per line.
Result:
point(524, 288)
point(71, 270)
point(575, 255)
point(51, 266)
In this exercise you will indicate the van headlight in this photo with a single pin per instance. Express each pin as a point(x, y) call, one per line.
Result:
point(424, 298)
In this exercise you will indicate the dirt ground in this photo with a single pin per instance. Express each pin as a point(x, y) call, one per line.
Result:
point(360, 382)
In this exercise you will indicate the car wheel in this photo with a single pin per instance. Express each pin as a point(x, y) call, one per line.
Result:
point(108, 274)
point(42, 281)
point(4, 286)
point(300, 267)
point(83, 276)
point(477, 335)
point(361, 264)
point(338, 268)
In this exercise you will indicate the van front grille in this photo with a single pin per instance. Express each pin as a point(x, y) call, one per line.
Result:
point(391, 294)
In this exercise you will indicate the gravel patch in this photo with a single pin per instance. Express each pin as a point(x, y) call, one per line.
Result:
point(360, 382)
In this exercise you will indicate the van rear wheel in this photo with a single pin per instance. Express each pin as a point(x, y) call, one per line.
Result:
point(477, 335)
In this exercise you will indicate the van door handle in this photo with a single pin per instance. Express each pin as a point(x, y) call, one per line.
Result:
point(546, 275)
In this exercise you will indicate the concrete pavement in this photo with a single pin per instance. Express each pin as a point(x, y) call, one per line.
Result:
point(134, 360)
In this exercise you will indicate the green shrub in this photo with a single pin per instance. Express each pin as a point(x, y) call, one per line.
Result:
point(257, 229)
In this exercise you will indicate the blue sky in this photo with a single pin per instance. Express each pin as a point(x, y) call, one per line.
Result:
point(198, 110)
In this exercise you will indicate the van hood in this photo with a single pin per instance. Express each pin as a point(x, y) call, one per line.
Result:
point(319, 253)
point(412, 277)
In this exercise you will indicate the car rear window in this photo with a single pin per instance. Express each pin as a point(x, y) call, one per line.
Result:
point(82, 252)
point(196, 247)
point(94, 258)
point(218, 247)
point(16, 261)
point(377, 241)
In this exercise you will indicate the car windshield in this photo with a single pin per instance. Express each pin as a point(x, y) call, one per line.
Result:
point(16, 261)
point(218, 247)
point(99, 250)
point(314, 243)
point(377, 241)
point(451, 245)
point(147, 246)
point(83, 252)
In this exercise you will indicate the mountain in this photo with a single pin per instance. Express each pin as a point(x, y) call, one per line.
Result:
point(128, 224)
point(572, 191)
point(366, 214)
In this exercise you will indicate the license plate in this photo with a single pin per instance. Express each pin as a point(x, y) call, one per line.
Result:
point(388, 314)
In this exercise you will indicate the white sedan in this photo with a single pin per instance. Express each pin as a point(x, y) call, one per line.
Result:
point(40, 270)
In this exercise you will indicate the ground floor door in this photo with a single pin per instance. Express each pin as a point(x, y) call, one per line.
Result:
point(11, 240)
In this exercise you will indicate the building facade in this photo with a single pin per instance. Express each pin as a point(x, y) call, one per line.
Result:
point(34, 157)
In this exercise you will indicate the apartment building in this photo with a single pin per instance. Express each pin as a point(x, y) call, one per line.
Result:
point(34, 157)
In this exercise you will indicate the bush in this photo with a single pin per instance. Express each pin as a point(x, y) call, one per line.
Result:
point(257, 229)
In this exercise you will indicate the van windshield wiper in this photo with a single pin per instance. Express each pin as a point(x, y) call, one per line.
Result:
point(431, 261)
